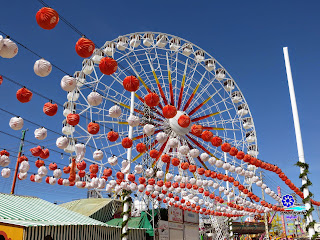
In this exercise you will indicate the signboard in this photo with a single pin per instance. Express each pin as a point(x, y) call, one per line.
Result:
point(163, 230)
point(176, 234)
point(191, 217)
point(175, 225)
point(287, 200)
point(175, 215)
point(191, 231)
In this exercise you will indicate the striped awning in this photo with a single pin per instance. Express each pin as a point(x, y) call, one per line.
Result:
point(31, 211)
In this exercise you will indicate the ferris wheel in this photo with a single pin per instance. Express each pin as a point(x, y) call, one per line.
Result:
point(183, 106)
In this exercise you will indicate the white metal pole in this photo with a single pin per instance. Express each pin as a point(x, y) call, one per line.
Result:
point(298, 133)
point(228, 197)
point(129, 156)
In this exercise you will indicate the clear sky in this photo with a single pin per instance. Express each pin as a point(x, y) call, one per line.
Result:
point(246, 37)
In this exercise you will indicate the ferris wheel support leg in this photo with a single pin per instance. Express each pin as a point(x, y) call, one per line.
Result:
point(296, 121)
point(126, 204)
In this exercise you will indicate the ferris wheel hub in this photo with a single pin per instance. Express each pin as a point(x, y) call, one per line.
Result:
point(175, 127)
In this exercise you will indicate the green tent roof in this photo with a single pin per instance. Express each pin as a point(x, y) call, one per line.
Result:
point(31, 211)
point(135, 222)
point(101, 209)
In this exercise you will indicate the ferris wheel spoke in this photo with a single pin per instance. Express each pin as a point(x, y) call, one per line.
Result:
point(209, 115)
point(193, 93)
point(160, 153)
point(142, 135)
point(182, 84)
point(201, 104)
point(202, 147)
point(170, 81)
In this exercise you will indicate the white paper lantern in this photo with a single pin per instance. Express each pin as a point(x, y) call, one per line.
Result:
point(42, 171)
point(205, 183)
point(219, 163)
point(68, 83)
point(66, 182)
point(62, 142)
point(133, 187)
point(199, 183)
point(259, 183)
point(210, 183)
point(9, 49)
point(57, 173)
point(4, 160)
point(40, 133)
point(115, 111)
point(138, 169)
point(157, 188)
point(23, 176)
point(113, 161)
point(133, 121)
point(169, 176)
point(37, 178)
point(24, 167)
point(173, 142)
point(1, 41)
point(42, 68)
point(98, 155)
point(16, 123)
point(232, 168)
point(177, 178)
point(221, 189)
point(226, 166)
point(94, 99)
point(148, 129)
point(141, 187)
point(196, 199)
point(238, 170)
point(201, 201)
point(125, 169)
point(160, 174)
point(52, 181)
point(268, 191)
point(162, 137)
point(204, 157)
point(5, 172)
point(212, 161)
point(192, 181)
point(149, 172)
point(215, 185)
point(184, 150)
point(263, 186)
point(255, 179)
point(194, 153)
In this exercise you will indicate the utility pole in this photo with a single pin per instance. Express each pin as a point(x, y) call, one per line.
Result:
point(265, 214)
point(17, 164)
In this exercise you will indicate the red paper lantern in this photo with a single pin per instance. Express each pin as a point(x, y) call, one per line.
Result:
point(185, 165)
point(108, 65)
point(154, 153)
point(247, 158)
point(107, 172)
point(53, 166)
point(92, 175)
point(24, 95)
point(182, 185)
point(93, 128)
point(231, 179)
point(184, 121)
point(50, 109)
point(169, 111)
point(213, 174)
point(192, 168)
point(131, 83)
point(167, 184)
point(219, 176)
point(236, 183)
point(84, 47)
point(160, 183)
point(47, 18)
point(112, 136)
point(120, 175)
point(253, 161)
point(39, 163)
point(175, 162)
point(196, 130)
point(258, 163)
point(233, 151)
point(226, 147)
point(22, 158)
point(201, 171)
point(48, 180)
point(73, 119)
point(141, 147)
point(126, 142)
point(151, 181)
point(165, 158)
point(94, 168)
point(66, 170)
point(4, 152)
point(36, 151)
point(216, 141)
point(207, 173)
point(1, 80)
point(81, 165)
point(32, 178)
point(207, 136)
point(81, 173)
point(142, 180)
point(240, 155)
point(44, 154)
point(288, 182)
point(152, 99)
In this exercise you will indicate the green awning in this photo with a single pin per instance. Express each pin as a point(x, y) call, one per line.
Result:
point(135, 222)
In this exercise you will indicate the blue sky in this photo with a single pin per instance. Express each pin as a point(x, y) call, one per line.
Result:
point(246, 37)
